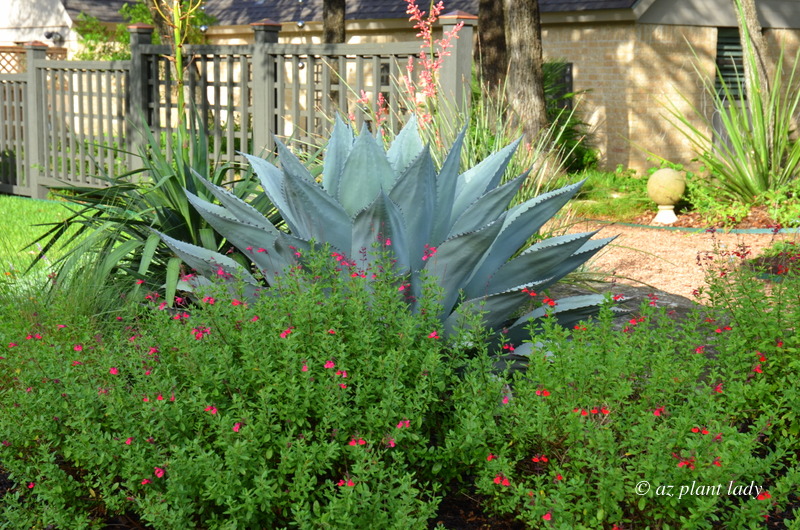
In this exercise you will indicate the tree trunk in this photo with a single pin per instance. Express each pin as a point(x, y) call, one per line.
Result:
point(524, 86)
point(491, 43)
point(333, 21)
point(163, 28)
point(755, 57)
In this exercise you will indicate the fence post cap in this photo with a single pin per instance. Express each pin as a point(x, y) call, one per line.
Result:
point(35, 44)
point(265, 22)
point(458, 14)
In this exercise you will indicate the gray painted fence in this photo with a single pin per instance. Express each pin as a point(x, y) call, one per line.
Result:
point(66, 122)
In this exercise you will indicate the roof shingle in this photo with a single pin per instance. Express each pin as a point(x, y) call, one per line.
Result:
point(241, 12)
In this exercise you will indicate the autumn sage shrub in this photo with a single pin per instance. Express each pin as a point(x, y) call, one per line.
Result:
point(321, 403)
point(659, 421)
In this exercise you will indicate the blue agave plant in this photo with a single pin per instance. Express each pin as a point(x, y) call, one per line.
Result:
point(456, 226)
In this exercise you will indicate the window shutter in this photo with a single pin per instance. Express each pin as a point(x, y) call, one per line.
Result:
point(730, 63)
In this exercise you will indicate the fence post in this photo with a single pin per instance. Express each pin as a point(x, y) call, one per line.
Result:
point(35, 121)
point(456, 72)
point(138, 101)
point(264, 101)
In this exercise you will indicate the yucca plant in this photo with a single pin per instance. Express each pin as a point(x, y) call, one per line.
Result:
point(108, 233)
point(453, 226)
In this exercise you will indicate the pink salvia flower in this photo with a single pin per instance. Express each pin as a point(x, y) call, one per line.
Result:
point(237, 426)
point(113, 370)
point(211, 409)
point(158, 472)
point(330, 364)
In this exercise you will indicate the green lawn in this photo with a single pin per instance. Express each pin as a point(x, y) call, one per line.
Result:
point(21, 218)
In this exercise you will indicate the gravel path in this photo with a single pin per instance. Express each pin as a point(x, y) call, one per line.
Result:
point(665, 259)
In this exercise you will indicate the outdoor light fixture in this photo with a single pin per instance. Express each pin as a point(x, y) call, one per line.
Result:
point(203, 28)
point(54, 36)
point(300, 23)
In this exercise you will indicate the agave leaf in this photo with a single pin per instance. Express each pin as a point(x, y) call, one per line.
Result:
point(336, 152)
point(488, 207)
point(496, 308)
point(207, 262)
point(290, 164)
point(481, 178)
point(406, 146)
point(568, 312)
point(366, 171)
point(320, 216)
point(237, 207)
point(414, 193)
point(543, 260)
point(243, 235)
point(454, 260)
point(446, 182)
point(381, 218)
point(272, 181)
point(520, 222)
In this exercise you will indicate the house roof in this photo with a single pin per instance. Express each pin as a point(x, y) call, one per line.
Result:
point(240, 12)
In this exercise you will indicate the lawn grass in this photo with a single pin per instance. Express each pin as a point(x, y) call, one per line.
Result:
point(610, 195)
point(22, 225)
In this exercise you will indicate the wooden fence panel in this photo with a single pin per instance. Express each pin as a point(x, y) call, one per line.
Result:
point(83, 119)
point(13, 92)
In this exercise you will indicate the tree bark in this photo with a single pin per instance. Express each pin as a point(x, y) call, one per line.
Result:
point(524, 86)
point(333, 30)
point(492, 43)
point(163, 28)
point(754, 45)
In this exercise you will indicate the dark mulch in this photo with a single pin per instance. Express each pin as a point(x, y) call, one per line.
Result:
point(757, 218)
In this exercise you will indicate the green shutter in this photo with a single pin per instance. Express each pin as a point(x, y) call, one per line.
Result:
point(730, 63)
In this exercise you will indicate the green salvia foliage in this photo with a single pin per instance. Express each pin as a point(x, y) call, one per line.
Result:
point(454, 226)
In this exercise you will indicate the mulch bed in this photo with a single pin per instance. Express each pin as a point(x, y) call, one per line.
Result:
point(757, 218)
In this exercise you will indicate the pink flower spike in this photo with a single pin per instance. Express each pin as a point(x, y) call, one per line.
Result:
point(404, 423)
point(129, 441)
point(434, 335)
point(158, 472)
point(77, 347)
point(113, 370)
point(286, 332)
point(160, 397)
point(76, 363)
point(146, 481)
point(490, 457)
point(139, 282)
point(658, 411)
point(304, 368)
point(332, 332)
point(237, 426)
point(237, 302)
point(254, 319)
point(31, 485)
point(329, 364)
point(211, 408)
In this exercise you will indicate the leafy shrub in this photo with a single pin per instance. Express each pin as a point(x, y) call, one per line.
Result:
point(298, 408)
point(657, 421)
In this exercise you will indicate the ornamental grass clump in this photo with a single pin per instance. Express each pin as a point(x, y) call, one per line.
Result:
point(454, 226)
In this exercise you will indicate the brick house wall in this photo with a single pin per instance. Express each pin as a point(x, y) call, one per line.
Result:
point(628, 72)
